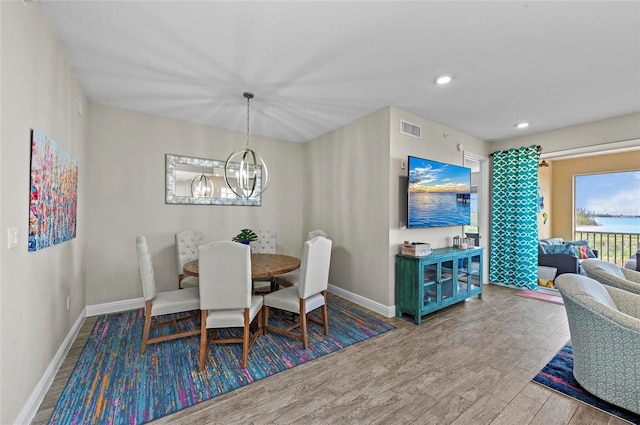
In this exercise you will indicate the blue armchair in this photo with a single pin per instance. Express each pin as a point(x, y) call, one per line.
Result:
point(604, 323)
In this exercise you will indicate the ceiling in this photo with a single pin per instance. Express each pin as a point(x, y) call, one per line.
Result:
point(315, 66)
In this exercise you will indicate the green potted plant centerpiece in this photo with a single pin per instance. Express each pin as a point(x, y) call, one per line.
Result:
point(245, 236)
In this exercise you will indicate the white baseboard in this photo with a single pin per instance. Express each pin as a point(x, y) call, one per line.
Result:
point(115, 307)
point(364, 302)
point(118, 306)
point(30, 408)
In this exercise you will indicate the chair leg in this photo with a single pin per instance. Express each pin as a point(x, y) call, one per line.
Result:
point(265, 312)
point(245, 339)
point(203, 338)
point(147, 326)
point(325, 318)
point(303, 323)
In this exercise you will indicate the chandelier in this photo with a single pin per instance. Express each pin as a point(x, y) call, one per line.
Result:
point(201, 187)
point(252, 168)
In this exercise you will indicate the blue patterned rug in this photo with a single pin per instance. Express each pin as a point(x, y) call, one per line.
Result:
point(112, 383)
point(558, 375)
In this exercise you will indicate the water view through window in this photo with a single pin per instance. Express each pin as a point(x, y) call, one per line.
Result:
point(473, 204)
point(608, 202)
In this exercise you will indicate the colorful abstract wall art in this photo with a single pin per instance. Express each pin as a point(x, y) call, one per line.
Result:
point(54, 193)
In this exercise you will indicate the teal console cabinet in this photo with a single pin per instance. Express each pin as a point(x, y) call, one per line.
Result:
point(429, 283)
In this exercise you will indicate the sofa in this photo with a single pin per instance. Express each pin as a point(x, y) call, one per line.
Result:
point(565, 256)
point(633, 263)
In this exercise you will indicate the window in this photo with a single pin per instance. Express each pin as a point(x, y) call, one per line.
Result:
point(608, 202)
point(607, 213)
point(473, 203)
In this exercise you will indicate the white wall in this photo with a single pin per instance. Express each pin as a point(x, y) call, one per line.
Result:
point(354, 192)
point(595, 133)
point(433, 145)
point(347, 189)
point(126, 162)
point(39, 90)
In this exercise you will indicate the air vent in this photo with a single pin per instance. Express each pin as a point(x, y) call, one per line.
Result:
point(410, 129)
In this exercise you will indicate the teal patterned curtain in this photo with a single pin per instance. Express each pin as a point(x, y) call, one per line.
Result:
point(514, 223)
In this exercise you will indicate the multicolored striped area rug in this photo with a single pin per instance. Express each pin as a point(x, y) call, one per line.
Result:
point(113, 383)
point(558, 375)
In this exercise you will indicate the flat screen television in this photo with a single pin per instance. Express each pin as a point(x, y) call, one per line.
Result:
point(438, 194)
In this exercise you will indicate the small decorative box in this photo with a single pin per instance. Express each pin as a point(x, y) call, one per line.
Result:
point(417, 249)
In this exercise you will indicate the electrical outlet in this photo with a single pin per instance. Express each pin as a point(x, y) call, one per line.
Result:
point(69, 302)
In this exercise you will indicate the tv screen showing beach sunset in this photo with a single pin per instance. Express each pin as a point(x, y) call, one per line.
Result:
point(439, 194)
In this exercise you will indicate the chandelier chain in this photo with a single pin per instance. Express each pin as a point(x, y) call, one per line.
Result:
point(248, 122)
point(249, 96)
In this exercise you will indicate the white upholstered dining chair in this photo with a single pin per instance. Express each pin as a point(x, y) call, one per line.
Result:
point(291, 278)
point(312, 234)
point(225, 296)
point(161, 303)
point(265, 244)
point(309, 294)
point(187, 243)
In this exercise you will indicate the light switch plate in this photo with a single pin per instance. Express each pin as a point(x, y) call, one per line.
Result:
point(12, 237)
point(79, 104)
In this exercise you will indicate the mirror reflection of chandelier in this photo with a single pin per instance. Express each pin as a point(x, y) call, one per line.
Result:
point(201, 187)
point(251, 168)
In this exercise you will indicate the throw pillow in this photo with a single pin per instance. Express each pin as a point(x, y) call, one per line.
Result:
point(590, 253)
point(560, 249)
point(546, 282)
point(581, 251)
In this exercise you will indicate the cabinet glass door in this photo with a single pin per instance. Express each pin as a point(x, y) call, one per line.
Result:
point(430, 273)
point(446, 279)
point(475, 271)
point(430, 294)
point(463, 275)
point(429, 281)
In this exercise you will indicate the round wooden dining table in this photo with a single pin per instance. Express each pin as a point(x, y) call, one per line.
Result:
point(263, 266)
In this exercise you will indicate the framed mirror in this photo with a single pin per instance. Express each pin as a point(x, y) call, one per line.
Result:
point(200, 181)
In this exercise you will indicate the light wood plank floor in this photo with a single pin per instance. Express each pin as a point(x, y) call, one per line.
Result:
point(469, 364)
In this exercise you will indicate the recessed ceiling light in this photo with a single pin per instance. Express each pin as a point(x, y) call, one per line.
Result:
point(443, 79)
point(522, 125)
